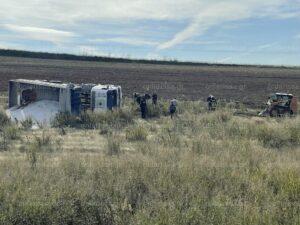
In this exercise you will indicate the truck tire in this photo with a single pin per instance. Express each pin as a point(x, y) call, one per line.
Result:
point(274, 113)
point(286, 114)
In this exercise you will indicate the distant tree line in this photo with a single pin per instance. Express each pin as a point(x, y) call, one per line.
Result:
point(63, 56)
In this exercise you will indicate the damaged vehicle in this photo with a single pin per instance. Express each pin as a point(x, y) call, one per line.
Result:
point(280, 104)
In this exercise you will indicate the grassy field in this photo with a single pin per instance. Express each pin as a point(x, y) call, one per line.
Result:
point(199, 168)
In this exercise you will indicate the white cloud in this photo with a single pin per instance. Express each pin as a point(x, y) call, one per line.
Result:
point(37, 33)
point(76, 10)
point(218, 13)
point(127, 41)
point(30, 17)
point(72, 11)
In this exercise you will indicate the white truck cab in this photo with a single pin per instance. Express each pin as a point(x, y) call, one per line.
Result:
point(105, 97)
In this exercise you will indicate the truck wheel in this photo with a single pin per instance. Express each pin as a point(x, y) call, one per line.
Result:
point(274, 113)
point(286, 114)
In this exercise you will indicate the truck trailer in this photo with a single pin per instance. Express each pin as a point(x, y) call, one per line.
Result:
point(72, 98)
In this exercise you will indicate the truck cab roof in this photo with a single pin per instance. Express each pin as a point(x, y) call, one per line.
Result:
point(282, 94)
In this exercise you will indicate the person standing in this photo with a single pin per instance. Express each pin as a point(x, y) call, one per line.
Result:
point(173, 107)
point(134, 97)
point(154, 99)
point(211, 101)
point(143, 107)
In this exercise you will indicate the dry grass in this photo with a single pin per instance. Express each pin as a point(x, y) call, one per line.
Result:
point(199, 168)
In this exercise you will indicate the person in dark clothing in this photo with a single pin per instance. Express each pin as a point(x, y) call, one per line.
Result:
point(154, 99)
point(212, 102)
point(136, 98)
point(172, 107)
point(139, 99)
point(147, 97)
point(143, 107)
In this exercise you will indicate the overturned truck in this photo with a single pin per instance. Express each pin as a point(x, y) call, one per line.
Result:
point(60, 97)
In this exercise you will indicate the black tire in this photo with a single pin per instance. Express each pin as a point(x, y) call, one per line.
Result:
point(286, 114)
point(274, 113)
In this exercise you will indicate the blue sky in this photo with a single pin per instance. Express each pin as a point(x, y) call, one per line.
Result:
point(218, 31)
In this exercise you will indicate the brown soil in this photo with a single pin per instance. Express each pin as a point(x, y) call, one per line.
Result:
point(240, 83)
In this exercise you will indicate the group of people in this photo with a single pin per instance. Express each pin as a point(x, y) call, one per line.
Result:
point(142, 101)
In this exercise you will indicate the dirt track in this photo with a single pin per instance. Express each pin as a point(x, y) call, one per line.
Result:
point(249, 84)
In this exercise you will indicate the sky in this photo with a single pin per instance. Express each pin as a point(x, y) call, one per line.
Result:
point(215, 31)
